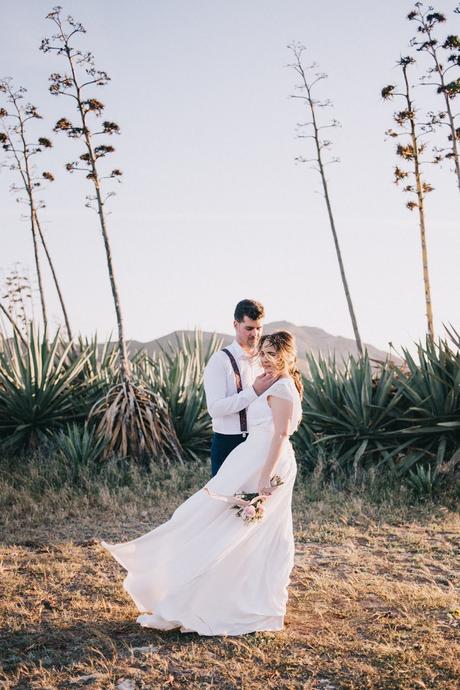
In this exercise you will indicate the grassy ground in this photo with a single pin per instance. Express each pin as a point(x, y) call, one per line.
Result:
point(374, 599)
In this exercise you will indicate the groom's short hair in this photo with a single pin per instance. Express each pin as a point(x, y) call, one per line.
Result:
point(250, 308)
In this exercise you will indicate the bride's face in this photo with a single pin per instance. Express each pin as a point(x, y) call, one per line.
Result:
point(269, 358)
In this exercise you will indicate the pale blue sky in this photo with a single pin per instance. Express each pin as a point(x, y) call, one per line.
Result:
point(212, 207)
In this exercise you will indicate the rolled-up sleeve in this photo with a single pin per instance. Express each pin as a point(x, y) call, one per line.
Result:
point(215, 388)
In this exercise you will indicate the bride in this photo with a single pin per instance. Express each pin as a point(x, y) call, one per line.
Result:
point(207, 570)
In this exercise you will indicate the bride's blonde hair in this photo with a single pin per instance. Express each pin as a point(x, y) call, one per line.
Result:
point(283, 343)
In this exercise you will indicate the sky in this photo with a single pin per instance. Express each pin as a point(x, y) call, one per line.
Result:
point(213, 207)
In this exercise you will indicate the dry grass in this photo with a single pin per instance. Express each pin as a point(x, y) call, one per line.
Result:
point(372, 603)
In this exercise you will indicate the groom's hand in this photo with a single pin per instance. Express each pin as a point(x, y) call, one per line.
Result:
point(263, 382)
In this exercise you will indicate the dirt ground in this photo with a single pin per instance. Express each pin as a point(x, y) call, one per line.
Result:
point(373, 603)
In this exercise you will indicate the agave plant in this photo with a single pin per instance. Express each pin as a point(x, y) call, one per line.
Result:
point(395, 417)
point(135, 421)
point(79, 446)
point(38, 388)
point(424, 480)
point(352, 410)
point(430, 393)
point(176, 373)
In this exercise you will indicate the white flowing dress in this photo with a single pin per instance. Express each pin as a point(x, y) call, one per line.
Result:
point(208, 571)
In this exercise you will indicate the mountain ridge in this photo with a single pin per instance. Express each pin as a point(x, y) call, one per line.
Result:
point(309, 339)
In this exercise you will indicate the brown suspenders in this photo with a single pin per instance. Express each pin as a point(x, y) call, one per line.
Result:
point(239, 388)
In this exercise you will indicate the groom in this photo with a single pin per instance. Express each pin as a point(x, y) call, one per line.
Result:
point(232, 380)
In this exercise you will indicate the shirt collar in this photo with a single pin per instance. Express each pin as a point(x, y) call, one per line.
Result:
point(240, 353)
point(238, 350)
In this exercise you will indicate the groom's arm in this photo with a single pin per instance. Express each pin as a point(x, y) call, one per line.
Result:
point(220, 404)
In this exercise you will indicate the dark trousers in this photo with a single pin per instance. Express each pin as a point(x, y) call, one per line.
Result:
point(221, 446)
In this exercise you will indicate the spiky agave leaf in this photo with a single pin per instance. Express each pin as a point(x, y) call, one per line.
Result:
point(453, 334)
point(99, 371)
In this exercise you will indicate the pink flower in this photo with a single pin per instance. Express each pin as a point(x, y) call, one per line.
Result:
point(249, 512)
point(261, 510)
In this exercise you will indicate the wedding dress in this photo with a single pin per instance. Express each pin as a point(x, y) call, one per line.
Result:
point(208, 571)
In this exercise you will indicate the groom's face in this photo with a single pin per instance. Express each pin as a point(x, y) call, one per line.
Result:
point(248, 332)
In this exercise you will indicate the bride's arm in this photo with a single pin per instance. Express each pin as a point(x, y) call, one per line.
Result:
point(281, 411)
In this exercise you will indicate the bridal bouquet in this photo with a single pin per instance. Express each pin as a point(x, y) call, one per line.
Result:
point(255, 509)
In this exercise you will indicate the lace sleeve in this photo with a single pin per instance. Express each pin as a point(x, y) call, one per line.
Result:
point(280, 390)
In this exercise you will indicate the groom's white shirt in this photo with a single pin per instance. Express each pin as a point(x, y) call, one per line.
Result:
point(222, 399)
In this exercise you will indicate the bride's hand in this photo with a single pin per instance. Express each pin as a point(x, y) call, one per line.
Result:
point(264, 487)
point(240, 502)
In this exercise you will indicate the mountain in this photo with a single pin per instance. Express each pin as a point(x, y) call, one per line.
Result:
point(309, 339)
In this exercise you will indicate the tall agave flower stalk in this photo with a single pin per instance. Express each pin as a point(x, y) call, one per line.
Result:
point(83, 74)
point(445, 57)
point(131, 416)
point(14, 323)
point(17, 293)
point(306, 87)
point(411, 152)
point(15, 141)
